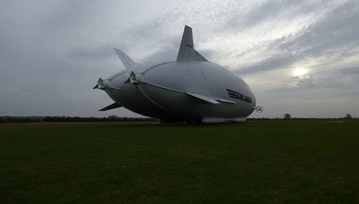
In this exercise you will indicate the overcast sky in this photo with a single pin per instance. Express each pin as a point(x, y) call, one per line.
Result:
point(300, 57)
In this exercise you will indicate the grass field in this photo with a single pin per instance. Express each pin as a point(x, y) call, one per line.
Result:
point(313, 161)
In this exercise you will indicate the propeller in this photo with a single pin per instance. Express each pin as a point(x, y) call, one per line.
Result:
point(135, 78)
point(102, 84)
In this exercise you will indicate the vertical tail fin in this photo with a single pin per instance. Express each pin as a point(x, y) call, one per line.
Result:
point(186, 51)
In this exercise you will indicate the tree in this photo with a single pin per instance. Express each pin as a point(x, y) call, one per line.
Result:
point(348, 116)
point(112, 117)
point(287, 116)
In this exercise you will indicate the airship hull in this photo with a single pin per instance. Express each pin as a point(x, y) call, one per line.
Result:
point(164, 92)
point(190, 89)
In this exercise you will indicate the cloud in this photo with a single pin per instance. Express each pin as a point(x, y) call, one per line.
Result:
point(67, 15)
point(277, 62)
point(328, 37)
point(96, 53)
point(350, 70)
point(53, 52)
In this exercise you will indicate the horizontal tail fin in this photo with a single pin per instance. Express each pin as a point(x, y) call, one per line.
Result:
point(126, 60)
point(112, 106)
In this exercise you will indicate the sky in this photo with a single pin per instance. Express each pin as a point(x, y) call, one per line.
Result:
point(298, 57)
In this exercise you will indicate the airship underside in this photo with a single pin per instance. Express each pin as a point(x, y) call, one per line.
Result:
point(190, 89)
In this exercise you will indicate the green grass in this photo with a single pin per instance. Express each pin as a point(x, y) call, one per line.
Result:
point(312, 161)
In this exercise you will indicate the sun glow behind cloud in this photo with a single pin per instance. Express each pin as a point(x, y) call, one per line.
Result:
point(298, 72)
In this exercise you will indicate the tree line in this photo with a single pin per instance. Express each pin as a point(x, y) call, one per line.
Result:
point(34, 119)
point(113, 118)
point(288, 116)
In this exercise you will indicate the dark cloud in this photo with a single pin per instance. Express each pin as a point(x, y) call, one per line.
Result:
point(265, 11)
point(334, 37)
point(350, 70)
point(336, 31)
point(273, 63)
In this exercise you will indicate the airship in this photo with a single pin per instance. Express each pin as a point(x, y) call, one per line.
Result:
point(188, 90)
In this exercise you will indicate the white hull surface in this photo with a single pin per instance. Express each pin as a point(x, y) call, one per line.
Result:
point(190, 89)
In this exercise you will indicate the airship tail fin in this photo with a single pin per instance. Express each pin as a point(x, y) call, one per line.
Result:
point(112, 106)
point(199, 57)
point(126, 60)
point(186, 51)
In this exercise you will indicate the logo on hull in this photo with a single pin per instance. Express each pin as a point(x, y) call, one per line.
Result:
point(239, 96)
